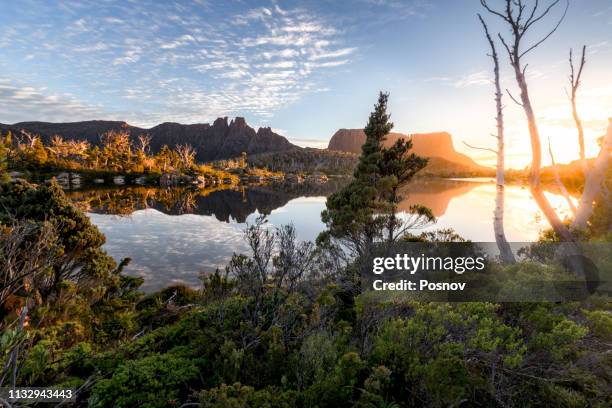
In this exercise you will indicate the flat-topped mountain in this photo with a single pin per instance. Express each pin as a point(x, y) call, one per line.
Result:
point(221, 140)
point(438, 147)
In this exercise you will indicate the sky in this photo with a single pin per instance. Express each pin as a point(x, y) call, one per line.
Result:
point(304, 68)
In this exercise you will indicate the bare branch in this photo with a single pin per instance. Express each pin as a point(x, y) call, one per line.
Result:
point(575, 78)
point(521, 8)
point(490, 10)
point(535, 8)
point(505, 45)
point(491, 43)
point(513, 98)
point(551, 32)
point(531, 21)
point(480, 148)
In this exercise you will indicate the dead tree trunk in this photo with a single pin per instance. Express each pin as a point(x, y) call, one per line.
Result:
point(593, 182)
point(559, 182)
point(575, 83)
point(536, 162)
point(505, 252)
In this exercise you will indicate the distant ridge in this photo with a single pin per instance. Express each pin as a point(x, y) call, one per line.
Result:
point(221, 140)
point(437, 146)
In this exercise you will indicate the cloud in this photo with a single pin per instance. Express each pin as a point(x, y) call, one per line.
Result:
point(279, 64)
point(438, 79)
point(308, 27)
point(99, 46)
point(285, 53)
point(179, 42)
point(21, 103)
point(326, 64)
point(114, 20)
point(131, 55)
point(465, 81)
point(333, 54)
point(476, 78)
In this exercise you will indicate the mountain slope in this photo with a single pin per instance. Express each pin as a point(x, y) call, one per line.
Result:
point(222, 140)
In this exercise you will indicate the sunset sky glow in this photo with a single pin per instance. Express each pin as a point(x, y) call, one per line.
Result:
point(304, 68)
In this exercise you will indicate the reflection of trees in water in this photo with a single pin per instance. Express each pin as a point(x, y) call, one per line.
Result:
point(126, 200)
point(237, 203)
point(224, 203)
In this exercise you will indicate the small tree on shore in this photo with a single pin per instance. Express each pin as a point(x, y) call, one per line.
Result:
point(186, 156)
point(365, 211)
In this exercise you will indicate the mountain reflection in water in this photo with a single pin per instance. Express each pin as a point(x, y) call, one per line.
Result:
point(225, 204)
point(173, 235)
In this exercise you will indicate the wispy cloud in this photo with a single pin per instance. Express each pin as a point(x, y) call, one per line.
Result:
point(23, 103)
point(476, 78)
point(179, 42)
point(343, 52)
point(472, 79)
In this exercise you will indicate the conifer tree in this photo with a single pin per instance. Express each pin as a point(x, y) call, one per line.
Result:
point(365, 211)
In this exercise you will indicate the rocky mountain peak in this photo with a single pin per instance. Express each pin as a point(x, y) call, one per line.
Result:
point(238, 122)
point(220, 122)
point(264, 131)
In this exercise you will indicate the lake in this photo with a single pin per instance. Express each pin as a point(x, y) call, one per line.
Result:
point(174, 235)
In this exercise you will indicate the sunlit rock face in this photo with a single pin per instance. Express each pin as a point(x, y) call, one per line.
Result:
point(438, 145)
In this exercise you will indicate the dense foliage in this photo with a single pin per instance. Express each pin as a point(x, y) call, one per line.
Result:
point(59, 287)
point(118, 153)
point(307, 160)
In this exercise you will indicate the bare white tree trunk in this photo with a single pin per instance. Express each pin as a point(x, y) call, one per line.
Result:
point(505, 252)
point(559, 182)
point(594, 179)
point(536, 163)
point(575, 83)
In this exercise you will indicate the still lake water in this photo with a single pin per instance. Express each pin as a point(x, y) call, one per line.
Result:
point(174, 235)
